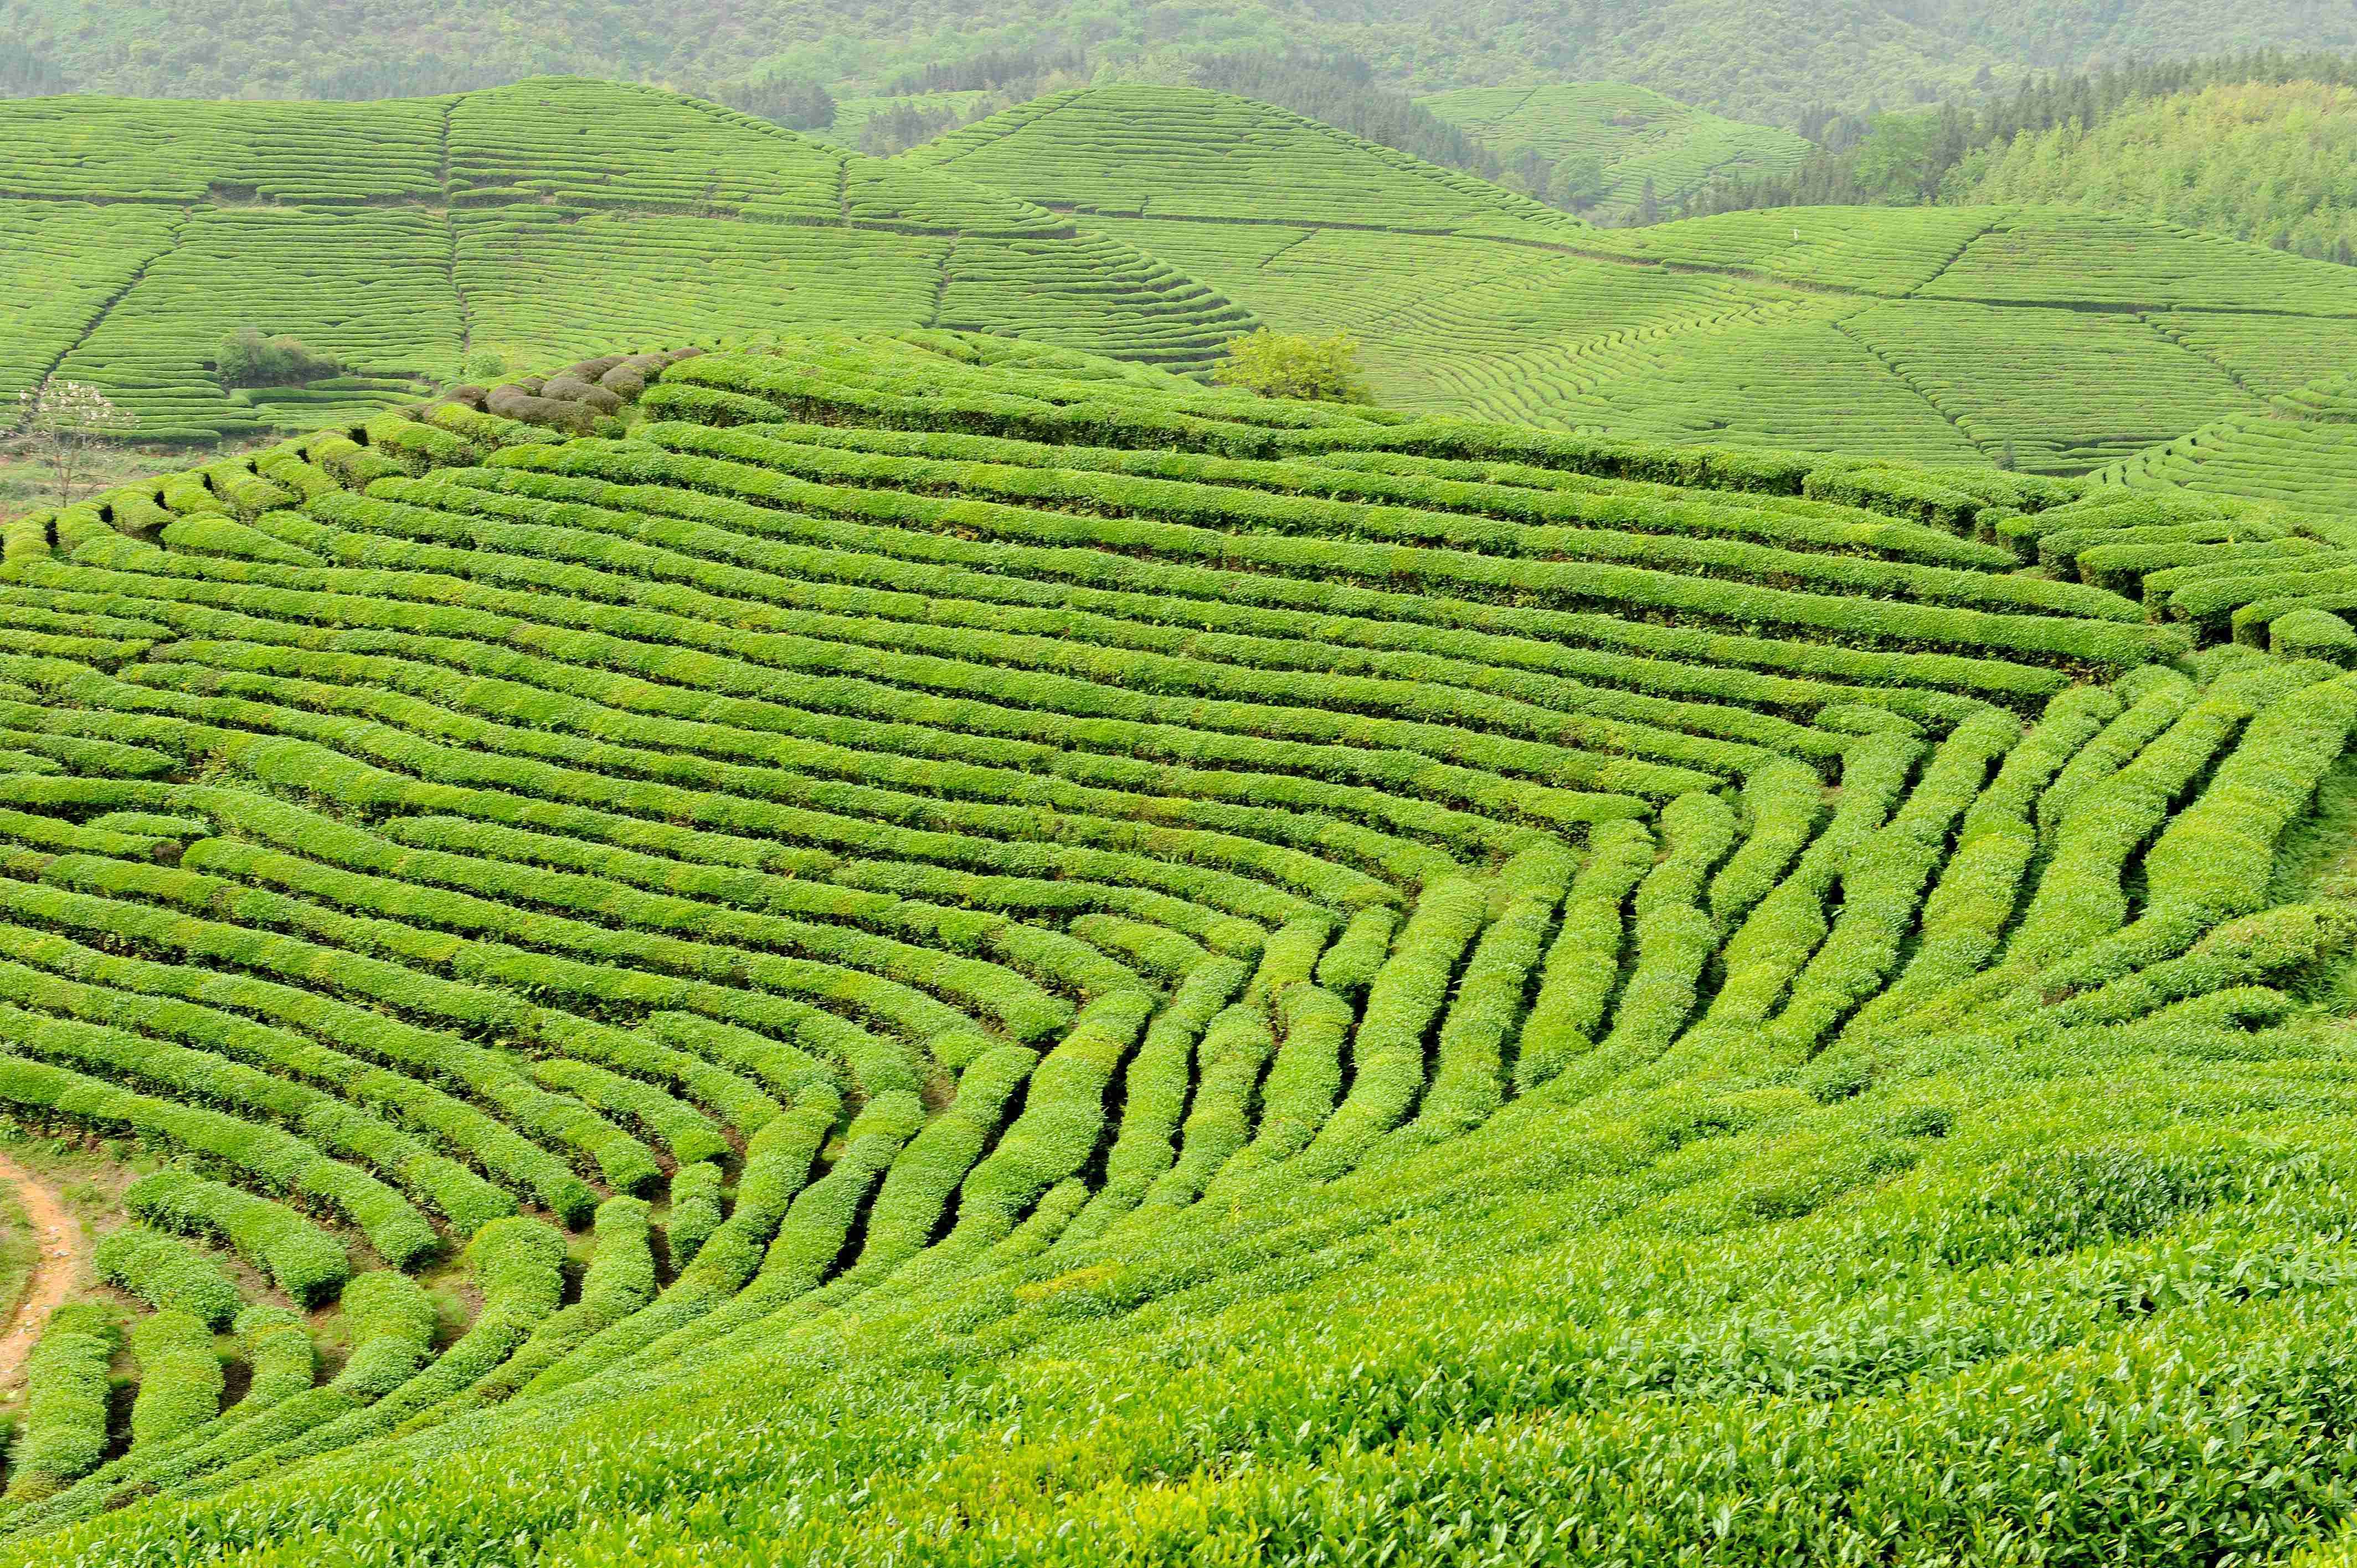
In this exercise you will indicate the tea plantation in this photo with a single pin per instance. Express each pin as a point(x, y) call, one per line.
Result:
point(926, 947)
point(421, 242)
point(2301, 452)
point(2051, 339)
point(521, 225)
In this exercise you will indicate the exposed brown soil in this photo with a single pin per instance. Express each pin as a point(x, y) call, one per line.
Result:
point(59, 1255)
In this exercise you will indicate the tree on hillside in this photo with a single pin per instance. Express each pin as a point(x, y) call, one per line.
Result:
point(66, 422)
point(796, 104)
point(1287, 364)
point(1901, 162)
point(1342, 90)
point(905, 125)
point(248, 359)
point(1579, 181)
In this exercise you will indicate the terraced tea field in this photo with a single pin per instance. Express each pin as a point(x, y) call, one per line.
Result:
point(775, 946)
point(1639, 136)
point(2300, 453)
point(2060, 339)
point(527, 223)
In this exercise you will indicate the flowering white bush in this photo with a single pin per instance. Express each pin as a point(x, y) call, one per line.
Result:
point(66, 421)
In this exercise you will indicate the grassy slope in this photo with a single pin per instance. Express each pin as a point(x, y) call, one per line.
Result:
point(1766, 1288)
point(1945, 335)
point(524, 224)
point(2261, 161)
point(1639, 136)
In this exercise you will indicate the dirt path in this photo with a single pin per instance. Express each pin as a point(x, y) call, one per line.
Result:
point(58, 1257)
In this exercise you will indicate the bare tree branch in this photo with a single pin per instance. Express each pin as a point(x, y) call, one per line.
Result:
point(67, 422)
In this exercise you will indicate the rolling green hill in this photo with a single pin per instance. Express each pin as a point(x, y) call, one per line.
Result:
point(2057, 339)
point(2259, 161)
point(783, 949)
point(417, 237)
point(522, 224)
point(1638, 140)
point(1186, 153)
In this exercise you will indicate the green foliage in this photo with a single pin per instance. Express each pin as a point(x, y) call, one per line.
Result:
point(1419, 933)
point(2259, 161)
point(1898, 162)
point(1287, 364)
point(246, 358)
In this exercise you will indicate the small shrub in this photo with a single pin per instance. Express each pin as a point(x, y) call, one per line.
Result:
point(248, 359)
point(1287, 364)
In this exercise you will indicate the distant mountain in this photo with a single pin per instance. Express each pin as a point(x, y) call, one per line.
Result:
point(1769, 59)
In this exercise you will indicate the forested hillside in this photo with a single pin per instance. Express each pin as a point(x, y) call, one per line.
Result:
point(2257, 161)
point(1760, 59)
point(1613, 152)
point(2245, 145)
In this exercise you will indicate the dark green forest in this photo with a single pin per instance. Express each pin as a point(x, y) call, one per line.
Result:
point(2251, 146)
point(1766, 59)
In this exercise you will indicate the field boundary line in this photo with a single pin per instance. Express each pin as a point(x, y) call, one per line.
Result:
point(1841, 324)
point(139, 275)
point(2220, 366)
point(1968, 242)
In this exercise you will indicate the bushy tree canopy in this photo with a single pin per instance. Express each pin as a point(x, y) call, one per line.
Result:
point(1287, 364)
point(247, 357)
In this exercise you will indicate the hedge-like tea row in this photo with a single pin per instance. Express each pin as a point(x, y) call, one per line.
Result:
point(1144, 843)
point(1471, 1069)
point(180, 1378)
point(620, 1280)
point(66, 1395)
point(517, 1263)
point(1583, 963)
point(305, 1261)
point(167, 1274)
point(1155, 1088)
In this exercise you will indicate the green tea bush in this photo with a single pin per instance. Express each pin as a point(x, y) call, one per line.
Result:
point(1415, 932)
point(180, 1379)
point(167, 1275)
point(67, 1391)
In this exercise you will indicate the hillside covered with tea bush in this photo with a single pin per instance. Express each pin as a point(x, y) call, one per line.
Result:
point(420, 240)
point(2050, 339)
point(754, 956)
point(423, 242)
